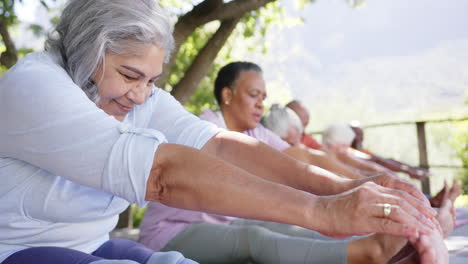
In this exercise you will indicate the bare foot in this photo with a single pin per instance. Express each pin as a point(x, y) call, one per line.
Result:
point(446, 217)
point(380, 248)
point(445, 193)
point(455, 191)
point(436, 201)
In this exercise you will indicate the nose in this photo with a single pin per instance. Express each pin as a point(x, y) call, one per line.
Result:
point(259, 103)
point(138, 94)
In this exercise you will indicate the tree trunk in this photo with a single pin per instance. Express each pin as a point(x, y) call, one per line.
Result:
point(10, 56)
point(206, 11)
point(202, 63)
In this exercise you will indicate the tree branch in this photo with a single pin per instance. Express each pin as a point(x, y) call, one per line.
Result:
point(206, 11)
point(202, 63)
point(10, 56)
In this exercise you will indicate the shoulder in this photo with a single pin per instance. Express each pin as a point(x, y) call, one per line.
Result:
point(208, 115)
point(260, 130)
point(37, 74)
point(267, 136)
point(37, 90)
point(161, 98)
point(36, 65)
point(213, 117)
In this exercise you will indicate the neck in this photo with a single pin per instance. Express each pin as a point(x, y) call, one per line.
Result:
point(230, 121)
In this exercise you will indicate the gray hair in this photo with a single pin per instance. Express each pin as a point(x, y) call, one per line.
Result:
point(338, 134)
point(279, 119)
point(90, 28)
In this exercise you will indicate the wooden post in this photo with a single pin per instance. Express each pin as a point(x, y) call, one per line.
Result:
point(423, 160)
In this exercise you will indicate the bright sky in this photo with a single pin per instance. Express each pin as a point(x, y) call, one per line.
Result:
point(389, 60)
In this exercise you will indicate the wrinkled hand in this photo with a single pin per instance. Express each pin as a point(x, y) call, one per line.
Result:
point(360, 211)
point(394, 182)
point(431, 248)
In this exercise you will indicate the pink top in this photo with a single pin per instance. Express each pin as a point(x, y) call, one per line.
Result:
point(260, 132)
point(162, 223)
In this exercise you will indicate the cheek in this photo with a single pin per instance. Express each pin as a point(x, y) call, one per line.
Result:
point(248, 102)
point(112, 89)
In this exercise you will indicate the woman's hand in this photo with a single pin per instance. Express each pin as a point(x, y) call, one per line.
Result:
point(392, 181)
point(362, 211)
point(431, 248)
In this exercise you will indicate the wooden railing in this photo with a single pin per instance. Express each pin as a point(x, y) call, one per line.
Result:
point(422, 143)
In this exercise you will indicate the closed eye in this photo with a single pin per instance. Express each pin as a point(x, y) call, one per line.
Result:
point(129, 77)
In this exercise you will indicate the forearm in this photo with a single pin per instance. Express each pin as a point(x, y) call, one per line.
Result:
point(263, 161)
point(361, 164)
point(397, 166)
point(323, 160)
point(186, 178)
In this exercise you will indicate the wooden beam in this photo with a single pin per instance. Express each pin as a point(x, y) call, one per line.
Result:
point(423, 160)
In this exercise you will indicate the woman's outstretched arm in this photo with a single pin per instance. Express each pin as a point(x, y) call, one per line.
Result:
point(262, 160)
point(191, 179)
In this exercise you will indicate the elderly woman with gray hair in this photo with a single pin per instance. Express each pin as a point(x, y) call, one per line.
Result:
point(285, 123)
point(84, 132)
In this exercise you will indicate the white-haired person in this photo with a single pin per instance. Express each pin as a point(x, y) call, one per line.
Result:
point(336, 141)
point(303, 113)
point(216, 238)
point(285, 123)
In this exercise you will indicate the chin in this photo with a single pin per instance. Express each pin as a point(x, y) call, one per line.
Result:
point(253, 125)
point(119, 117)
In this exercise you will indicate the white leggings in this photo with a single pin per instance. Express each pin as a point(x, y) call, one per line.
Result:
point(245, 241)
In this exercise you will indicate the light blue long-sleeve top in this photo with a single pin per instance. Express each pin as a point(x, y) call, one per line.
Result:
point(67, 169)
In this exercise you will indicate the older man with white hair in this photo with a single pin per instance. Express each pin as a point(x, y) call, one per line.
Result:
point(285, 123)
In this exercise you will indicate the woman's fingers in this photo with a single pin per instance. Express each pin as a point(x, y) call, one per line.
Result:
point(394, 182)
point(399, 216)
point(372, 208)
point(390, 227)
point(401, 184)
point(405, 208)
point(409, 204)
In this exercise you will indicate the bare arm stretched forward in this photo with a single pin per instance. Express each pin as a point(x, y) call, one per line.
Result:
point(187, 178)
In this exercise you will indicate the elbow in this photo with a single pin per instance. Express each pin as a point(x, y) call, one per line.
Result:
point(157, 184)
point(227, 141)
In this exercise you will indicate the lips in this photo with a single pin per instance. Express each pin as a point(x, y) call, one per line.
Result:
point(124, 108)
point(257, 117)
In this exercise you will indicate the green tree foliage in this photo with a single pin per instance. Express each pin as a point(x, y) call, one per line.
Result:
point(253, 26)
point(9, 54)
point(199, 54)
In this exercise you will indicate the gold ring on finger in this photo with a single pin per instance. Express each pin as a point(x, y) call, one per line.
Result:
point(387, 209)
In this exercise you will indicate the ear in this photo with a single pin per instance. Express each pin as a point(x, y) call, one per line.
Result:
point(226, 95)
